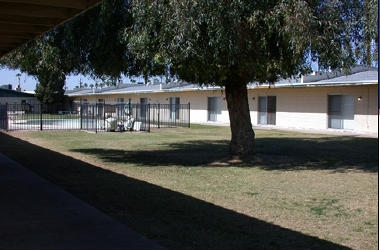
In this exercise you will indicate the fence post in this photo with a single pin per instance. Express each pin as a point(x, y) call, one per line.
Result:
point(6, 113)
point(148, 117)
point(129, 108)
point(137, 106)
point(81, 114)
point(188, 110)
point(41, 106)
point(104, 114)
point(158, 115)
point(95, 107)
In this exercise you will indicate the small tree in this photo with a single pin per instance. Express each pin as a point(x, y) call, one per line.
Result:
point(49, 89)
point(44, 62)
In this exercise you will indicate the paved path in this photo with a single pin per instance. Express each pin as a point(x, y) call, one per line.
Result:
point(300, 130)
point(35, 214)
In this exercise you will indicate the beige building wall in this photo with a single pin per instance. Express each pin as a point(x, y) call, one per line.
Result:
point(307, 107)
point(17, 100)
point(366, 109)
point(292, 106)
point(299, 107)
point(14, 103)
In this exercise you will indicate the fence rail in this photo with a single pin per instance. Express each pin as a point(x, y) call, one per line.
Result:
point(94, 117)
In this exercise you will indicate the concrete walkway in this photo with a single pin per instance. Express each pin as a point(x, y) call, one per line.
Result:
point(35, 214)
point(300, 130)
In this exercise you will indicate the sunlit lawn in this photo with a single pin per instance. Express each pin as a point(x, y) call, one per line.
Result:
point(180, 188)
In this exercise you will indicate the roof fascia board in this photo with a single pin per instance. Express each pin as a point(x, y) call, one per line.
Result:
point(321, 84)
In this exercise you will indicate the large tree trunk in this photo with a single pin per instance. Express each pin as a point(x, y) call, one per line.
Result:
point(242, 134)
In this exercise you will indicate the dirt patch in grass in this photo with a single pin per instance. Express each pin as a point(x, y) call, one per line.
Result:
point(180, 188)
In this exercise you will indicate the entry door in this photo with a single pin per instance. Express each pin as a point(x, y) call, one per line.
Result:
point(143, 110)
point(100, 107)
point(120, 107)
point(341, 111)
point(214, 108)
point(174, 108)
point(84, 107)
point(267, 110)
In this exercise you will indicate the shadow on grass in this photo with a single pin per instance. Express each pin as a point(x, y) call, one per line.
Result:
point(328, 153)
point(172, 219)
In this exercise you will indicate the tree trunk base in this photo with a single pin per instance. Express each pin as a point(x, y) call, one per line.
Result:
point(242, 135)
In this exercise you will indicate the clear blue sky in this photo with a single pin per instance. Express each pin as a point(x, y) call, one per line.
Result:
point(29, 83)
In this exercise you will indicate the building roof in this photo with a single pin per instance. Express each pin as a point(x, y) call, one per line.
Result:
point(359, 76)
point(365, 76)
point(23, 20)
point(14, 93)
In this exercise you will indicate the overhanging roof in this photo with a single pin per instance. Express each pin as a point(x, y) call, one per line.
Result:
point(14, 93)
point(23, 20)
point(366, 77)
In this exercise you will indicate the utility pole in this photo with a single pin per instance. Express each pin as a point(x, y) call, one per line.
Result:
point(19, 75)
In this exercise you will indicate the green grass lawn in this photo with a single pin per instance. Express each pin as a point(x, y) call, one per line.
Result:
point(180, 188)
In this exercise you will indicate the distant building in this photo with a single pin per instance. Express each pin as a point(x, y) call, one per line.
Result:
point(6, 86)
point(320, 101)
point(13, 98)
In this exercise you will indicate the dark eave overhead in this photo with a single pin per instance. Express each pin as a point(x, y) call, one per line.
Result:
point(23, 20)
point(14, 93)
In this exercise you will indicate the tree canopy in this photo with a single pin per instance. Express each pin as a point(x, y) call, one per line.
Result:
point(47, 63)
point(231, 43)
point(88, 44)
point(206, 41)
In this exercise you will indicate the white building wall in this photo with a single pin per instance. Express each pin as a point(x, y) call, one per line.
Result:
point(299, 107)
point(17, 100)
point(292, 106)
point(366, 109)
point(307, 107)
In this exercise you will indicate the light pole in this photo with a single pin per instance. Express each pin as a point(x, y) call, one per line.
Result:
point(18, 75)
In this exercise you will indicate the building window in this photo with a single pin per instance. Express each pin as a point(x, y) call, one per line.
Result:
point(100, 108)
point(341, 111)
point(144, 109)
point(267, 110)
point(214, 108)
point(174, 108)
point(120, 108)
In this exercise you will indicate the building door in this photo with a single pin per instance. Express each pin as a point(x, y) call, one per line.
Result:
point(214, 108)
point(100, 106)
point(144, 108)
point(174, 108)
point(341, 111)
point(120, 108)
point(267, 110)
point(84, 107)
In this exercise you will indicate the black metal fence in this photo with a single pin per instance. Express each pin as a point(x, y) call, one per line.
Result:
point(3, 117)
point(94, 117)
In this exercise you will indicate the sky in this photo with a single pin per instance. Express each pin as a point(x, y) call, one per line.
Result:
point(28, 83)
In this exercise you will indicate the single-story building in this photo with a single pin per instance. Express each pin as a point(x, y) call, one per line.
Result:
point(319, 101)
point(15, 98)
